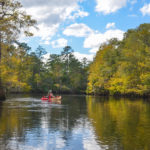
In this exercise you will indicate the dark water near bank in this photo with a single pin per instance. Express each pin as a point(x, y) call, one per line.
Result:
point(75, 123)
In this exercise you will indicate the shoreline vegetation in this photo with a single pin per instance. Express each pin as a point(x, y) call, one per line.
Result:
point(119, 68)
point(122, 67)
point(13, 21)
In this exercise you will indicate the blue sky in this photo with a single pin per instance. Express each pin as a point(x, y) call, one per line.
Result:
point(83, 24)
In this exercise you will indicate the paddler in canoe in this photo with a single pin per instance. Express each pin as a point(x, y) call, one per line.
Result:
point(50, 96)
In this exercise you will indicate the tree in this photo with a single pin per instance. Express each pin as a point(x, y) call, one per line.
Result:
point(55, 68)
point(12, 22)
point(40, 51)
point(103, 67)
point(38, 70)
point(15, 69)
point(123, 67)
point(67, 74)
point(66, 53)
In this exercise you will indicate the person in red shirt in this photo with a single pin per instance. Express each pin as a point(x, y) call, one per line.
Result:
point(50, 95)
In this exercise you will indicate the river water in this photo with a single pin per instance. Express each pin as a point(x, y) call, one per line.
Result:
point(75, 123)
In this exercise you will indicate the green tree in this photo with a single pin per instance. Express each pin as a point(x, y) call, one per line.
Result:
point(68, 74)
point(37, 69)
point(103, 67)
point(66, 54)
point(15, 69)
point(12, 21)
point(123, 67)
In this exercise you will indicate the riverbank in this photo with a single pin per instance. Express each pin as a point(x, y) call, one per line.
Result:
point(2, 94)
point(125, 95)
point(118, 96)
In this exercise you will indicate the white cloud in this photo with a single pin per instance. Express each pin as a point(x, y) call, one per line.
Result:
point(96, 39)
point(60, 43)
point(46, 57)
point(133, 2)
point(93, 39)
point(45, 32)
point(39, 13)
point(51, 13)
point(145, 9)
point(80, 56)
point(110, 25)
point(78, 14)
point(109, 6)
point(93, 50)
point(77, 55)
point(78, 30)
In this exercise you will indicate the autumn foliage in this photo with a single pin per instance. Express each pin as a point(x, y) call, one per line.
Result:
point(122, 67)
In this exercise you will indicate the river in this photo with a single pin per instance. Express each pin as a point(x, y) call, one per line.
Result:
point(74, 123)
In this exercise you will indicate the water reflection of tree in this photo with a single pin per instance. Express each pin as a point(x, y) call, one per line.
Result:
point(20, 118)
point(15, 121)
point(64, 119)
point(121, 124)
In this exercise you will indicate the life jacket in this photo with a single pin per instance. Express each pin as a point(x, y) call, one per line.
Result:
point(49, 97)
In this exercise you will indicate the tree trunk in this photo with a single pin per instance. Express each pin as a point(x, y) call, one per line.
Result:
point(2, 93)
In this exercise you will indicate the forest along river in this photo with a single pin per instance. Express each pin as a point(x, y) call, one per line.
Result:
point(75, 123)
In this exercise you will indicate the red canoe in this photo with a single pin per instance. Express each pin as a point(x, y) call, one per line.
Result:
point(55, 98)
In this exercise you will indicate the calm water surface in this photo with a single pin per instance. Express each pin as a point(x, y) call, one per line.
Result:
point(75, 123)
